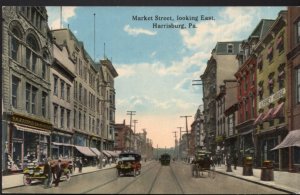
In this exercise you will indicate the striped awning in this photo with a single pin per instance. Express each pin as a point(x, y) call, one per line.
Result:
point(32, 130)
point(85, 150)
point(279, 108)
point(268, 115)
point(292, 139)
point(258, 119)
point(96, 151)
point(106, 153)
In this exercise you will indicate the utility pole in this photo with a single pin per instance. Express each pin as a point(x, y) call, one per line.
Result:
point(130, 113)
point(175, 141)
point(134, 140)
point(179, 148)
point(187, 134)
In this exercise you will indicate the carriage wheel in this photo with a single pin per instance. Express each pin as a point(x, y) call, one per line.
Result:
point(212, 172)
point(26, 179)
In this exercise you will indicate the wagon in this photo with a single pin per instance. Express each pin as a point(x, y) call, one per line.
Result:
point(129, 164)
point(202, 163)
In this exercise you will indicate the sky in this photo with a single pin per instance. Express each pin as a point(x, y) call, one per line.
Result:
point(157, 66)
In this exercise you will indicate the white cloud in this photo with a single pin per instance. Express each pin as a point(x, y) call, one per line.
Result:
point(126, 71)
point(228, 27)
point(54, 15)
point(137, 31)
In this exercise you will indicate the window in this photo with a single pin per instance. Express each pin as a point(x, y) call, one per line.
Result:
point(260, 63)
point(14, 51)
point(55, 108)
point(68, 92)
point(297, 76)
point(79, 119)
point(68, 118)
point(270, 54)
point(31, 57)
point(55, 90)
point(31, 93)
point(271, 85)
point(280, 43)
point(298, 31)
point(90, 124)
point(84, 121)
point(75, 90)
point(44, 66)
point(62, 89)
point(229, 48)
point(44, 107)
point(80, 92)
point(62, 113)
point(74, 119)
point(14, 91)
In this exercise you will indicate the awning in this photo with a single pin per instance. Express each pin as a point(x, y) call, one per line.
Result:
point(61, 144)
point(32, 130)
point(277, 110)
point(106, 153)
point(96, 151)
point(112, 153)
point(268, 115)
point(85, 150)
point(292, 139)
point(258, 119)
point(246, 132)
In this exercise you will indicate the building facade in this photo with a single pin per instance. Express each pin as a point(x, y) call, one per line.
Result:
point(26, 59)
point(293, 80)
point(221, 66)
point(271, 122)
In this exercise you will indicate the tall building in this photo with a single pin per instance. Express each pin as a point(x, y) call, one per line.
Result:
point(26, 60)
point(221, 66)
point(293, 81)
point(271, 122)
point(247, 90)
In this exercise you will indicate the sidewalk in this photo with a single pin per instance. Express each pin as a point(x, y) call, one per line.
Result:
point(15, 180)
point(284, 181)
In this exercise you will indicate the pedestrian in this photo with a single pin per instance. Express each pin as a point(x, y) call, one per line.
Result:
point(58, 171)
point(110, 161)
point(48, 173)
point(80, 164)
point(104, 161)
point(235, 159)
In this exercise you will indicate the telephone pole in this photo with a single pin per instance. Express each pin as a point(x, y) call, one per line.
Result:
point(134, 140)
point(130, 113)
point(179, 147)
point(187, 134)
point(175, 142)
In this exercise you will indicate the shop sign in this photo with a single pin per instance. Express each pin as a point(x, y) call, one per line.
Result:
point(27, 121)
point(279, 94)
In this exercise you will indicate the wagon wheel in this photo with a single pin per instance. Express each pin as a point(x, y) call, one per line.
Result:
point(212, 172)
point(26, 179)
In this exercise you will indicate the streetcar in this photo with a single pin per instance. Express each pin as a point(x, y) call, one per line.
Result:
point(129, 164)
point(165, 159)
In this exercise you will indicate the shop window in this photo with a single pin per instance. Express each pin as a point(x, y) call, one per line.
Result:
point(296, 155)
point(15, 91)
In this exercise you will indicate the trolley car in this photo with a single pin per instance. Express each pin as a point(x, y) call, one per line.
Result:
point(165, 159)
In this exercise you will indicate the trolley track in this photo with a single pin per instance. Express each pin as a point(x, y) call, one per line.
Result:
point(115, 179)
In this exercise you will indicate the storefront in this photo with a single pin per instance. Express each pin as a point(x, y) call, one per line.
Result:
point(61, 145)
point(28, 141)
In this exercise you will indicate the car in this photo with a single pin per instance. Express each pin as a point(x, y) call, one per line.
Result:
point(129, 164)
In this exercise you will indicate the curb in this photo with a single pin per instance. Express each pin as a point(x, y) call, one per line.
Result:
point(71, 176)
point(256, 182)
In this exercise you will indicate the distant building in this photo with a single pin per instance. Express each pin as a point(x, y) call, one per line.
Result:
point(221, 66)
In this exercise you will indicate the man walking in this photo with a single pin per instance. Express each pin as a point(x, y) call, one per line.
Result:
point(58, 169)
point(48, 173)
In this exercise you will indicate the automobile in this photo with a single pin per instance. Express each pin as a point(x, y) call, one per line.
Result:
point(129, 164)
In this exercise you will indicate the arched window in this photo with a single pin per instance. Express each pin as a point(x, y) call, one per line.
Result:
point(31, 57)
point(14, 49)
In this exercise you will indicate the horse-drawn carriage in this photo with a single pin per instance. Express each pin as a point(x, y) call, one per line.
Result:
point(129, 163)
point(202, 163)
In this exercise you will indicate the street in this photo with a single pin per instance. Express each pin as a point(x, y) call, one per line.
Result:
point(154, 179)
